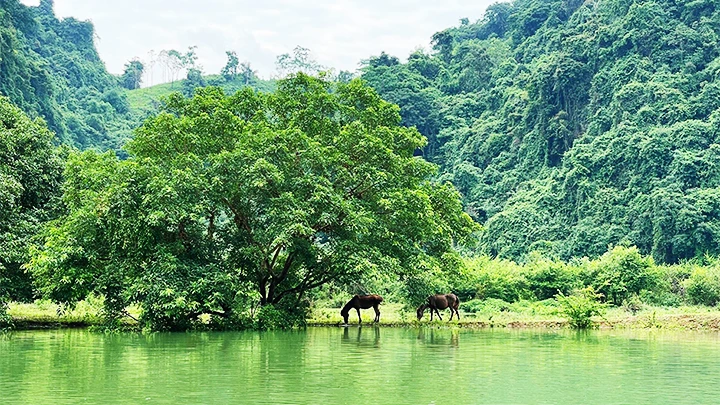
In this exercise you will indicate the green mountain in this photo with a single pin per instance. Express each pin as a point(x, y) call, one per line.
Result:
point(51, 69)
point(567, 125)
point(572, 125)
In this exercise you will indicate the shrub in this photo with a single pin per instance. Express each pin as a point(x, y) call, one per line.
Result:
point(5, 318)
point(281, 316)
point(621, 272)
point(547, 278)
point(500, 279)
point(581, 306)
point(703, 286)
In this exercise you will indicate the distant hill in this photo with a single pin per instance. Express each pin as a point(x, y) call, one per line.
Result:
point(147, 99)
point(571, 125)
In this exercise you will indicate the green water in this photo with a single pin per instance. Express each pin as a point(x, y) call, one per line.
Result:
point(361, 366)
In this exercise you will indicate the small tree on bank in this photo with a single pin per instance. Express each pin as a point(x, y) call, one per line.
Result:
point(228, 200)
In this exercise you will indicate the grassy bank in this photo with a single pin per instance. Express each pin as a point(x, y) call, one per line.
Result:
point(528, 315)
point(45, 315)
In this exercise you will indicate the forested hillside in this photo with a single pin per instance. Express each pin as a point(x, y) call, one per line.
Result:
point(572, 125)
point(50, 68)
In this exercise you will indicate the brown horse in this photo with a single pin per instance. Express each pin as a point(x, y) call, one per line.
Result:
point(362, 302)
point(440, 301)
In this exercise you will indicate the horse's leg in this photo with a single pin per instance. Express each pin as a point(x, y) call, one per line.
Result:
point(438, 313)
point(431, 314)
point(359, 318)
point(377, 313)
point(457, 313)
point(452, 312)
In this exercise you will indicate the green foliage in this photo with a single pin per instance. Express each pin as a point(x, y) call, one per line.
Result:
point(572, 126)
point(132, 75)
point(193, 81)
point(703, 286)
point(489, 305)
point(281, 316)
point(581, 306)
point(621, 273)
point(50, 69)
point(271, 195)
point(231, 69)
point(498, 279)
point(6, 321)
point(30, 176)
point(548, 278)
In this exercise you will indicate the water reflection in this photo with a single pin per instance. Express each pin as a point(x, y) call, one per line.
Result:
point(362, 338)
point(320, 365)
point(439, 337)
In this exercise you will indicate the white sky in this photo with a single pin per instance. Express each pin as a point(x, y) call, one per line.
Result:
point(340, 33)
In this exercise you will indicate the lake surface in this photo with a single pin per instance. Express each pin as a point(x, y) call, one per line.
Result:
point(361, 366)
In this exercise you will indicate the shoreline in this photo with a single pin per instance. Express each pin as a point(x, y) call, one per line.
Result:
point(44, 316)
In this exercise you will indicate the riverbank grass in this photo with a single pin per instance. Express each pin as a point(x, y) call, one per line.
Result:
point(534, 315)
point(44, 314)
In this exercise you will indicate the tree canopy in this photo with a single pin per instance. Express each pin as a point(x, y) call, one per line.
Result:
point(131, 78)
point(30, 177)
point(227, 200)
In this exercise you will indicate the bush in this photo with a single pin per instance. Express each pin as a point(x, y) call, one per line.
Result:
point(484, 306)
point(547, 278)
point(620, 273)
point(581, 306)
point(281, 316)
point(669, 289)
point(5, 318)
point(499, 279)
point(703, 286)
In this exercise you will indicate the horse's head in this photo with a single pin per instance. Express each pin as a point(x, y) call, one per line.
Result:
point(421, 311)
point(345, 313)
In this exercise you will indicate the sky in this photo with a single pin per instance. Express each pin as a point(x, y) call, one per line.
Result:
point(339, 33)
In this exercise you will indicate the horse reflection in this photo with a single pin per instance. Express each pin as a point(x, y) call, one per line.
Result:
point(359, 337)
point(439, 338)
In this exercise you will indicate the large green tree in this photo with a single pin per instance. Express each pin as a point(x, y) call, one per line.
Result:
point(30, 177)
point(250, 197)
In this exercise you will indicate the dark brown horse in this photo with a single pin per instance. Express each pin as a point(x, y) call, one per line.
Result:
point(440, 301)
point(362, 302)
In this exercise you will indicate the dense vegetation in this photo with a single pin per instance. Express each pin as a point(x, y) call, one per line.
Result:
point(227, 202)
point(50, 69)
point(30, 177)
point(581, 135)
point(571, 125)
